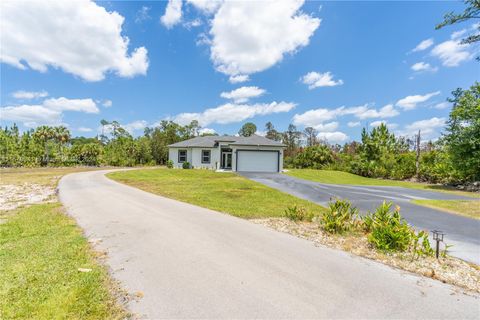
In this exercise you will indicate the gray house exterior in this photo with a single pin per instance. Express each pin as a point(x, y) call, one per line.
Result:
point(249, 154)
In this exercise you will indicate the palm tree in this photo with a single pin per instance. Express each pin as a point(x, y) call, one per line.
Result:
point(45, 134)
point(62, 136)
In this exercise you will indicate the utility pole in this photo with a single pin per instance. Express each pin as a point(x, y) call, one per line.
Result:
point(417, 160)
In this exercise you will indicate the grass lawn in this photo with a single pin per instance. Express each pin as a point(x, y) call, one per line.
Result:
point(41, 250)
point(225, 192)
point(341, 177)
point(468, 208)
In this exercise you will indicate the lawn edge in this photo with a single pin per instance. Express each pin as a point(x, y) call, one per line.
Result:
point(419, 203)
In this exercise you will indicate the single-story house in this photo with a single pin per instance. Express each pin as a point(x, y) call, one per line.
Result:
point(254, 153)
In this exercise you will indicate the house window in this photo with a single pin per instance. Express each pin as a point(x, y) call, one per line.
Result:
point(182, 156)
point(205, 156)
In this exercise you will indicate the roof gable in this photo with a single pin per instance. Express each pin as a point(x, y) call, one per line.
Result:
point(212, 141)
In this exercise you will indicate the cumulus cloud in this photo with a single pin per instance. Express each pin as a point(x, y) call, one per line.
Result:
point(239, 78)
point(387, 111)
point(430, 128)
point(27, 95)
point(333, 137)
point(452, 53)
point(173, 13)
point(49, 112)
point(206, 131)
point(425, 44)
point(107, 103)
point(243, 94)
point(411, 102)
point(442, 105)
point(353, 124)
point(64, 104)
point(231, 113)
point(131, 127)
point(83, 39)
point(314, 80)
point(206, 6)
point(379, 122)
point(423, 66)
point(252, 36)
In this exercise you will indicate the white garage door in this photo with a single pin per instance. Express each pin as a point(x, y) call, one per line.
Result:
point(260, 161)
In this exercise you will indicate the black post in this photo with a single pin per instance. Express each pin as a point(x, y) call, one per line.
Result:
point(437, 251)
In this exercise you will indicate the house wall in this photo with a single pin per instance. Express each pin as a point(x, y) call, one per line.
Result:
point(235, 148)
point(194, 156)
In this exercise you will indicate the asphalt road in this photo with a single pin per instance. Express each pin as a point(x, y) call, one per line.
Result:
point(191, 262)
point(461, 232)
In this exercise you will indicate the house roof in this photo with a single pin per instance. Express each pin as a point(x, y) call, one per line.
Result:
point(212, 141)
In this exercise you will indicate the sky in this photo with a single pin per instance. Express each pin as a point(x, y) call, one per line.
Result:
point(334, 66)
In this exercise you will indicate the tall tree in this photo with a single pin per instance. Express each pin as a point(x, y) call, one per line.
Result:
point(45, 134)
point(462, 138)
point(291, 139)
point(247, 129)
point(311, 135)
point(271, 132)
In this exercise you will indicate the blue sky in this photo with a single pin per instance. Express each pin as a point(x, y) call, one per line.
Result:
point(336, 66)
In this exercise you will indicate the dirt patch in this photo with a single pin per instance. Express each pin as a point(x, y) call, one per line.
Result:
point(13, 196)
point(446, 269)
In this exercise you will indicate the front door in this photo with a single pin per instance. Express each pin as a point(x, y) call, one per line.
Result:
point(227, 160)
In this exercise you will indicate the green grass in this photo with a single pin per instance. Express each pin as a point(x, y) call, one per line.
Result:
point(467, 208)
point(224, 192)
point(341, 177)
point(41, 250)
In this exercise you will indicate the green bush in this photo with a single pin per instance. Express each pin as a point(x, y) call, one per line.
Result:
point(315, 157)
point(169, 164)
point(388, 231)
point(186, 165)
point(298, 214)
point(340, 217)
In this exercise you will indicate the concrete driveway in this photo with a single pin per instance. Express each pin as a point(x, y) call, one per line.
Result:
point(190, 262)
point(462, 232)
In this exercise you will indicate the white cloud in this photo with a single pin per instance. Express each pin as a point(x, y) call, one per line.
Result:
point(458, 34)
point(428, 127)
point(252, 36)
point(231, 113)
point(84, 129)
point(142, 14)
point(425, 44)
point(452, 53)
point(410, 102)
point(353, 124)
point(27, 95)
point(239, 78)
point(206, 6)
point(64, 104)
point(79, 37)
point(327, 127)
point(442, 105)
point(314, 80)
point(243, 94)
point(423, 66)
point(135, 126)
point(173, 13)
point(107, 103)
point(31, 115)
point(193, 24)
point(50, 112)
point(387, 111)
point(206, 131)
point(333, 137)
point(315, 117)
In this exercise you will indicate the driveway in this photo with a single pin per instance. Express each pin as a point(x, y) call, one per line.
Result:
point(191, 262)
point(462, 232)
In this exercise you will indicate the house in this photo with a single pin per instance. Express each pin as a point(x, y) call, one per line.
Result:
point(254, 153)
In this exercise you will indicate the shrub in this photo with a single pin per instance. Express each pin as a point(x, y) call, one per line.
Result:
point(298, 214)
point(390, 232)
point(169, 164)
point(186, 165)
point(340, 217)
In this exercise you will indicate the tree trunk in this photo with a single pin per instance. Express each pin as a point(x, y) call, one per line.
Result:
point(417, 159)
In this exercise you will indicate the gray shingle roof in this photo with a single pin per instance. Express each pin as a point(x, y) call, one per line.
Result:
point(212, 141)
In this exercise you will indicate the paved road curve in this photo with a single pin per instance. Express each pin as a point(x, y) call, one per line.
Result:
point(191, 262)
point(462, 232)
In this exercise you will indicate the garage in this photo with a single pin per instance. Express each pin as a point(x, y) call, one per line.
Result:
point(258, 160)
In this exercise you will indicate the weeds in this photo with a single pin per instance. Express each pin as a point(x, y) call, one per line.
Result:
point(298, 214)
point(340, 217)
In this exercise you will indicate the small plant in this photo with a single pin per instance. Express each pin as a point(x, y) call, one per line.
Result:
point(169, 164)
point(340, 217)
point(298, 214)
point(186, 165)
point(390, 232)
